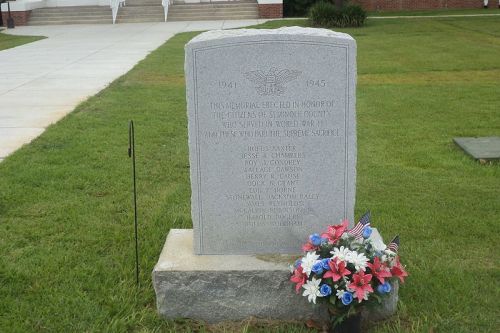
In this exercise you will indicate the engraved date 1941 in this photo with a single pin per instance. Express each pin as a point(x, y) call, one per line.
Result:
point(226, 84)
point(316, 83)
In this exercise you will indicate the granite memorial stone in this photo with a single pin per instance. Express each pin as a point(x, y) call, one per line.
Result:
point(272, 136)
point(272, 142)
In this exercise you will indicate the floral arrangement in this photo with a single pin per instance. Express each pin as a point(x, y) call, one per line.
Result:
point(347, 269)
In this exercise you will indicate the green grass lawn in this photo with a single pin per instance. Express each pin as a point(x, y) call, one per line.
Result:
point(9, 41)
point(66, 219)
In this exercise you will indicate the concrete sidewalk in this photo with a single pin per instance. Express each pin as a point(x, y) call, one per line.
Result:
point(43, 81)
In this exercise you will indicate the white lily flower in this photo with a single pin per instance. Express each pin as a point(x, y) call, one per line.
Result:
point(340, 253)
point(308, 262)
point(311, 290)
point(358, 260)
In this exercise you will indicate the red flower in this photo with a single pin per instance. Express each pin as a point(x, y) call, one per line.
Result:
point(299, 277)
point(335, 231)
point(309, 247)
point(380, 271)
point(361, 285)
point(398, 270)
point(337, 270)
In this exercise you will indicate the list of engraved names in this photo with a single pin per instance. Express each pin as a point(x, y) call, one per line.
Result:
point(273, 171)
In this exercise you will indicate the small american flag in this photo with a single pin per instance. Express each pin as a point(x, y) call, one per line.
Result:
point(394, 245)
point(364, 221)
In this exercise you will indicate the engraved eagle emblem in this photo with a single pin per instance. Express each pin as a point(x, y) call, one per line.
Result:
point(272, 83)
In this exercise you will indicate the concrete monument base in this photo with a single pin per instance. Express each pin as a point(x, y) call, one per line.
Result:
point(216, 288)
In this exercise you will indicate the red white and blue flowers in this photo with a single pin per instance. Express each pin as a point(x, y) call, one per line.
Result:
point(347, 268)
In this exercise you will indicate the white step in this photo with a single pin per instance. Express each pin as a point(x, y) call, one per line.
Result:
point(70, 16)
point(79, 9)
point(63, 22)
point(251, 14)
point(213, 18)
point(213, 11)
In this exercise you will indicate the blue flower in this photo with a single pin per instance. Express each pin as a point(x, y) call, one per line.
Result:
point(317, 268)
point(367, 231)
point(384, 288)
point(324, 264)
point(315, 239)
point(325, 290)
point(347, 298)
point(297, 263)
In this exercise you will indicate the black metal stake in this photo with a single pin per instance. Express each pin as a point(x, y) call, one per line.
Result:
point(131, 153)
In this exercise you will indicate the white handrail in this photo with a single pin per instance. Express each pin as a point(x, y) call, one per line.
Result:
point(115, 5)
point(165, 4)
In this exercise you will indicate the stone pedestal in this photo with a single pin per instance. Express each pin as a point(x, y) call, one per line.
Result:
point(216, 288)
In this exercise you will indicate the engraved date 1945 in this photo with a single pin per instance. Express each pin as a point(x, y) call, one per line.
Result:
point(316, 83)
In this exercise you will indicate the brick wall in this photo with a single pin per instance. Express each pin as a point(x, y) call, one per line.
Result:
point(274, 10)
point(20, 18)
point(417, 4)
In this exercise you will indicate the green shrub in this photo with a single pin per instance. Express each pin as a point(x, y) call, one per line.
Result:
point(325, 14)
point(356, 15)
point(321, 14)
